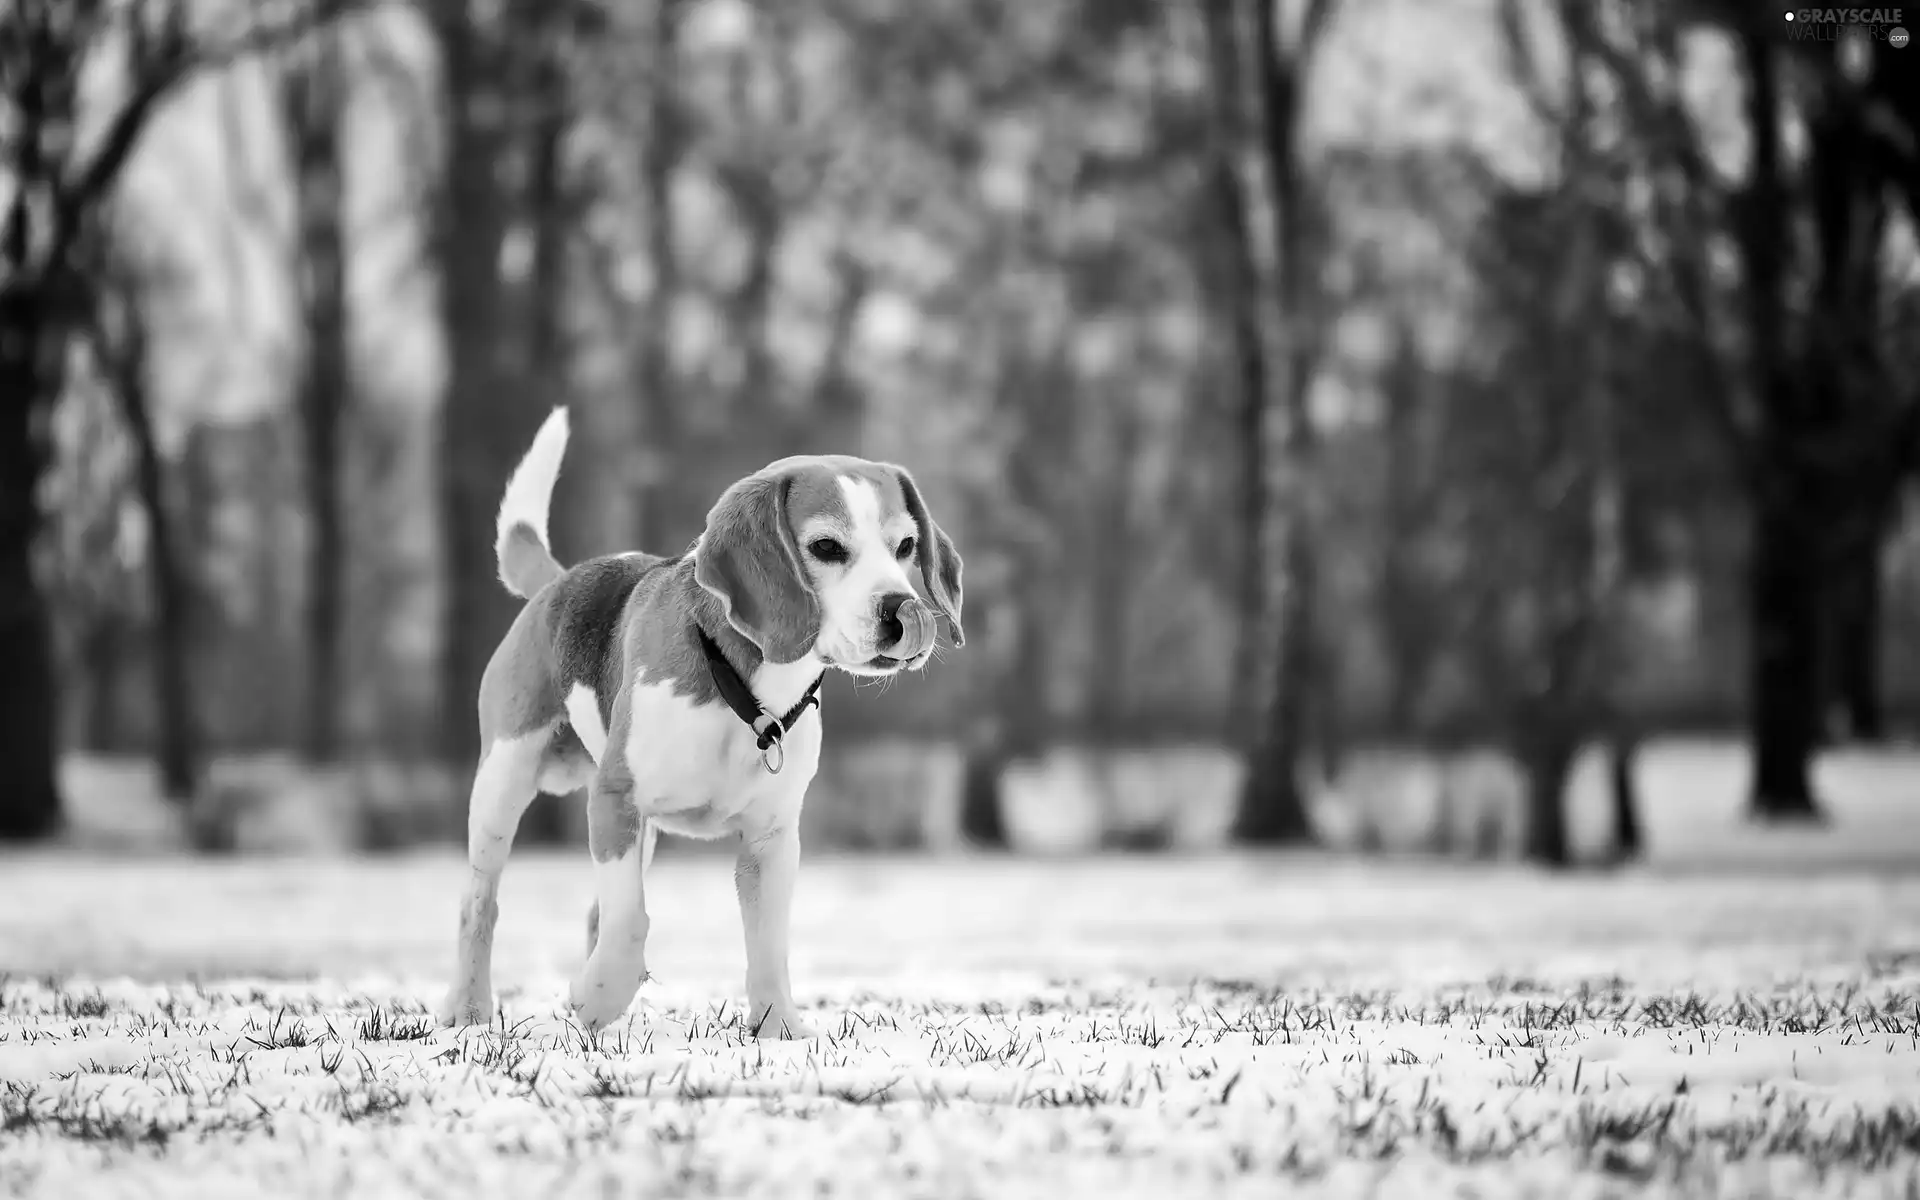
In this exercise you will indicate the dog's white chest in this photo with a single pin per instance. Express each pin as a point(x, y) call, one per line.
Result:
point(698, 771)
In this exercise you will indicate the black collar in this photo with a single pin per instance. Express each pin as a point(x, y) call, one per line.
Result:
point(739, 696)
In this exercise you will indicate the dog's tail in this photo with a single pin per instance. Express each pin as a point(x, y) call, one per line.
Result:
point(520, 542)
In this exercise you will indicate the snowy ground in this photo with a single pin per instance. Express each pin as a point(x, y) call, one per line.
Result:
point(1117, 1027)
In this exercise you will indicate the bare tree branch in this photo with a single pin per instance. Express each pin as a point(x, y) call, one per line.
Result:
point(1682, 207)
point(1523, 66)
point(160, 62)
point(1313, 27)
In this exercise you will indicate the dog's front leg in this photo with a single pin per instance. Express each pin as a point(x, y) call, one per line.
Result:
point(617, 964)
point(764, 875)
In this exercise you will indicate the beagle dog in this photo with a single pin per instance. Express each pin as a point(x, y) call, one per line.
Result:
point(676, 691)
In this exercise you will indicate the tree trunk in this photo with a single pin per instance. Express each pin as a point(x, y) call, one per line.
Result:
point(664, 145)
point(547, 363)
point(837, 406)
point(1108, 544)
point(56, 183)
point(314, 107)
point(1855, 646)
point(1547, 760)
point(1846, 373)
point(30, 800)
point(1272, 803)
point(179, 749)
point(982, 821)
point(752, 195)
point(1784, 603)
point(1783, 569)
point(481, 430)
point(103, 650)
point(1404, 614)
point(1035, 397)
point(1394, 601)
point(179, 745)
point(1240, 298)
point(1018, 726)
point(1622, 758)
point(1272, 807)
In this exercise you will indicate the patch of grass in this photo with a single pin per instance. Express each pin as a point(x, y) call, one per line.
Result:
point(283, 1032)
point(1485, 1078)
point(84, 1006)
point(384, 1024)
point(1177, 1030)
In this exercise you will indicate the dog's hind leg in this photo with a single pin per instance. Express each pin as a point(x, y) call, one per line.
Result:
point(505, 783)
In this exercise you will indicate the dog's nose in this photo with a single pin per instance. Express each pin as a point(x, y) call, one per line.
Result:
point(901, 624)
point(890, 626)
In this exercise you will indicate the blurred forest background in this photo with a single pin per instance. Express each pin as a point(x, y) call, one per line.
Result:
point(1321, 392)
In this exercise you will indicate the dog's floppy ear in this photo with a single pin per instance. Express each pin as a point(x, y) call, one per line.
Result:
point(939, 561)
point(748, 558)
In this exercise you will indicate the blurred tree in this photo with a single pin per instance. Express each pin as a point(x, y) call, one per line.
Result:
point(57, 180)
point(312, 106)
point(106, 645)
point(242, 505)
point(1411, 616)
point(129, 285)
point(1277, 339)
point(1784, 568)
point(1837, 435)
point(1539, 443)
point(1822, 436)
point(1272, 808)
point(1623, 753)
point(1239, 287)
point(1034, 379)
point(982, 821)
point(629, 167)
point(1532, 500)
point(1888, 153)
point(550, 217)
point(479, 427)
point(89, 551)
point(546, 369)
point(500, 89)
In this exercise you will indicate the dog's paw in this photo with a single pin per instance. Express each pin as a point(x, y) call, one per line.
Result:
point(594, 1018)
point(594, 1006)
point(773, 1024)
point(461, 1008)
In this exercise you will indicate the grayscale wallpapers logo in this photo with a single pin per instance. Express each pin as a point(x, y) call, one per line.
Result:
point(1832, 24)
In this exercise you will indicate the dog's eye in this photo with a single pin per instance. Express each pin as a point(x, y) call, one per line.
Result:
point(905, 549)
point(827, 550)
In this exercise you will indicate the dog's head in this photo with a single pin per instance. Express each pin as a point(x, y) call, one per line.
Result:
point(821, 554)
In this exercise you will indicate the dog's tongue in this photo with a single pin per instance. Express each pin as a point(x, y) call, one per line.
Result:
point(917, 630)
